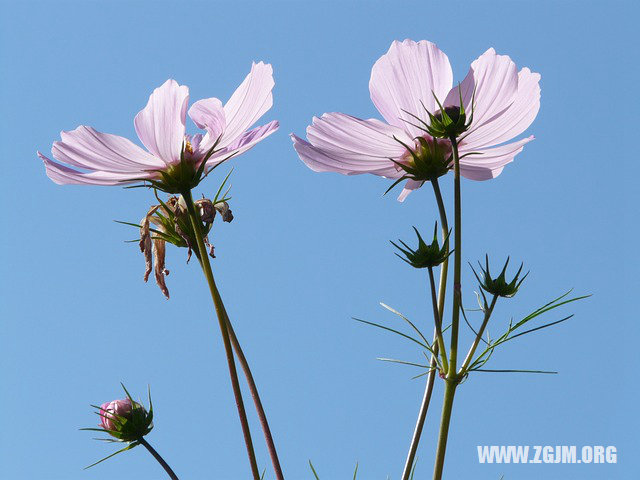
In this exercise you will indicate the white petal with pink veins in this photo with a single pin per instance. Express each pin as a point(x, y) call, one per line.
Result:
point(63, 175)
point(490, 162)
point(321, 161)
point(249, 102)
point(208, 114)
point(244, 143)
point(406, 78)
point(161, 124)
point(409, 187)
point(495, 79)
point(87, 148)
point(515, 119)
point(354, 139)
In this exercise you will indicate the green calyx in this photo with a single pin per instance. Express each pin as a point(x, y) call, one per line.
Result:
point(499, 286)
point(132, 426)
point(450, 122)
point(426, 162)
point(425, 256)
point(184, 175)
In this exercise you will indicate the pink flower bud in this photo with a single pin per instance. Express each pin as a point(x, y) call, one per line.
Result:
point(119, 408)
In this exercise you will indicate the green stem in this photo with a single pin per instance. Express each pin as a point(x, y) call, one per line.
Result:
point(262, 416)
point(157, 456)
point(447, 406)
point(472, 350)
point(422, 415)
point(442, 287)
point(457, 265)
point(452, 379)
point(437, 320)
point(196, 224)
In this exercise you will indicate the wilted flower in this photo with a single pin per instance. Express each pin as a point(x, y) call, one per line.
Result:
point(168, 222)
point(407, 84)
point(175, 162)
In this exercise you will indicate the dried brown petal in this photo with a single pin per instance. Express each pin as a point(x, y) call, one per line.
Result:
point(209, 246)
point(145, 240)
point(225, 211)
point(206, 210)
point(159, 251)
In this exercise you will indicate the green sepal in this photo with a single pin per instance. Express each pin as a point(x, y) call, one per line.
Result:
point(499, 286)
point(425, 256)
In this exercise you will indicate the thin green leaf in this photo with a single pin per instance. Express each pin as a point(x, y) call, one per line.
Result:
point(394, 331)
point(516, 371)
point(215, 198)
point(314, 470)
point(541, 327)
point(128, 447)
point(101, 430)
point(393, 360)
point(406, 320)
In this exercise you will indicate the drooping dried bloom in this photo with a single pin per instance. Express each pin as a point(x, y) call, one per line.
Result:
point(153, 248)
point(406, 85)
point(169, 222)
point(174, 161)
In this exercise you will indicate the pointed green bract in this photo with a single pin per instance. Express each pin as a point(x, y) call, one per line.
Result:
point(425, 256)
point(428, 160)
point(451, 121)
point(499, 286)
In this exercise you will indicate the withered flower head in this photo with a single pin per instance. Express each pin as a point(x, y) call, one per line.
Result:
point(169, 222)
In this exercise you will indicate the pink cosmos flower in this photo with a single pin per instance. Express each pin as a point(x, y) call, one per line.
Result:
point(95, 158)
point(118, 407)
point(405, 83)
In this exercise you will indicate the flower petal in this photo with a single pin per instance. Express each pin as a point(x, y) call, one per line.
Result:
point(208, 114)
point(406, 78)
point(495, 79)
point(409, 187)
point(87, 148)
point(249, 102)
point(63, 175)
point(515, 119)
point(161, 124)
point(244, 143)
point(491, 161)
point(349, 145)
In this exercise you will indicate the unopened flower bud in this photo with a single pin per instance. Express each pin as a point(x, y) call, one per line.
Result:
point(450, 121)
point(425, 256)
point(499, 286)
point(125, 419)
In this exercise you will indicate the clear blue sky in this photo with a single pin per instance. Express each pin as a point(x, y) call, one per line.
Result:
point(307, 251)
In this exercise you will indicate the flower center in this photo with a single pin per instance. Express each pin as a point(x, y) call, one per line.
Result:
point(188, 148)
